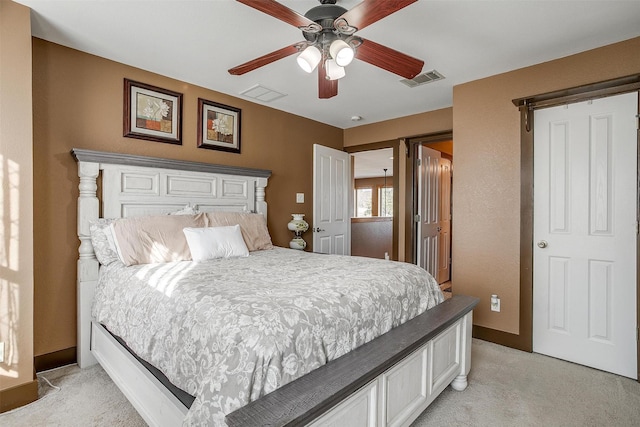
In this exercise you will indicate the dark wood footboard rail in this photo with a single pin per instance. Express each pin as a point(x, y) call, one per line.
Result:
point(305, 399)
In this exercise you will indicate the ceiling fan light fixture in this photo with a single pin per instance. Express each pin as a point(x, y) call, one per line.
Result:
point(341, 52)
point(329, 34)
point(333, 70)
point(309, 59)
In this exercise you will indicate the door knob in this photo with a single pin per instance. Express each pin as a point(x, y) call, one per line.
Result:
point(318, 230)
point(542, 244)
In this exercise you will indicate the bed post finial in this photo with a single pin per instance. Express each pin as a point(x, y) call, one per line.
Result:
point(87, 206)
point(261, 205)
point(87, 262)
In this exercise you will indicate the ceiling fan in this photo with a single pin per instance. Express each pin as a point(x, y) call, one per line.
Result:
point(330, 41)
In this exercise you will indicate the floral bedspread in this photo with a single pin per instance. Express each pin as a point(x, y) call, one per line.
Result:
point(229, 331)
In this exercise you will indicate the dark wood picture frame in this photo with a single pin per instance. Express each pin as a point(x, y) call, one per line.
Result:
point(152, 113)
point(218, 126)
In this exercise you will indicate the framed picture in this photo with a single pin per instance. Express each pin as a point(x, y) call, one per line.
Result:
point(218, 126)
point(152, 113)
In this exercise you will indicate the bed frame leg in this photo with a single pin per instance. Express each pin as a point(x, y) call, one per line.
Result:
point(459, 383)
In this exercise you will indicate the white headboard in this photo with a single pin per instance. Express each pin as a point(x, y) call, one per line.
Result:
point(136, 190)
point(139, 185)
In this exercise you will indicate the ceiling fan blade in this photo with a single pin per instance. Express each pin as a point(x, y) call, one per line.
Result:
point(283, 13)
point(266, 59)
point(368, 12)
point(326, 88)
point(389, 59)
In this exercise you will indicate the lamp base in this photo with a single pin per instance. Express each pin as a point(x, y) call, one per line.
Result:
point(297, 243)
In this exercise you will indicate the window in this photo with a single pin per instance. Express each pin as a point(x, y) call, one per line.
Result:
point(364, 202)
point(385, 201)
point(373, 200)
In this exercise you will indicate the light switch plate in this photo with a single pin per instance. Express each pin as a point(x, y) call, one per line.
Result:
point(299, 197)
point(1, 352)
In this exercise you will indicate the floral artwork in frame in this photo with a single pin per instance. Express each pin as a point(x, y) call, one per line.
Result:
point(218, 126)
point(152, 113)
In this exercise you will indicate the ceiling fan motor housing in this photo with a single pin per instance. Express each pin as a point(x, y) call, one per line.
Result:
point(323, 15)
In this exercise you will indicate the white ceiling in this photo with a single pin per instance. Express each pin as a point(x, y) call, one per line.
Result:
point(371, 164)
point(198, 41)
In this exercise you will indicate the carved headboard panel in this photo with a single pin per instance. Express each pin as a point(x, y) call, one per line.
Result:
point(133, 191)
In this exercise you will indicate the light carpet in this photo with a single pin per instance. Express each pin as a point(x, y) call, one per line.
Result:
point(507, 387)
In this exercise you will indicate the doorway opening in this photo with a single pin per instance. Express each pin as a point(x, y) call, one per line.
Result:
point(429, 209)
point(386, 195)
point(372, 216)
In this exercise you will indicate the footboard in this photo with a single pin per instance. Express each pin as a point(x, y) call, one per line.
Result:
point(389, 381)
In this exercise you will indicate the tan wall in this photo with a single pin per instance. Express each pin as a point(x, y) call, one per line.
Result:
point(16, 199)
point(403, 127)
point(78, 102)
point(372, 237)
point(443, 146)
point(486, 194)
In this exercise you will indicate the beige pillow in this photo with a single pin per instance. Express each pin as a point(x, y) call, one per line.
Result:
point(253, 227)
point(153, 239)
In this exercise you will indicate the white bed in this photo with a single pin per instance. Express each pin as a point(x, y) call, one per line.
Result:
point(398, 374)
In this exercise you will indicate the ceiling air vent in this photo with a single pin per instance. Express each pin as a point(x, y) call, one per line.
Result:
point(424, 78)
point(261, 93)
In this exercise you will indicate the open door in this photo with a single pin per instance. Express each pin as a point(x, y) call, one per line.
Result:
point(429, 209)
point(444, 245)
point(331, 215)
point(430, 180)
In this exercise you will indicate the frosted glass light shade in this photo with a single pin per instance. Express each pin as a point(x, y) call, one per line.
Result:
point(309, 59)
point(333, 70)
point(341, 52)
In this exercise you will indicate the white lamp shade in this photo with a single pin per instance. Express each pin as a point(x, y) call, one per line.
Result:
point(341, 52)
point(333, 70)
point(309, 59)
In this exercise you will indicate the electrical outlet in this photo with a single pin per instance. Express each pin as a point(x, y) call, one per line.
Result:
point(495, 303)
point(1, 352)
point(299, 197)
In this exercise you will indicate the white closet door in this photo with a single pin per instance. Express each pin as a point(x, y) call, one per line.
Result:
point(585, 171)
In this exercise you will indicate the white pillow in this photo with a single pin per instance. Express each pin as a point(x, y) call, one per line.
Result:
point(215, 242)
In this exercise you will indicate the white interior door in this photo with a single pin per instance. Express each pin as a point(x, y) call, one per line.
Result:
point(444, 246)
point(429, 209)
point(331, 186)
point(585, 175)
